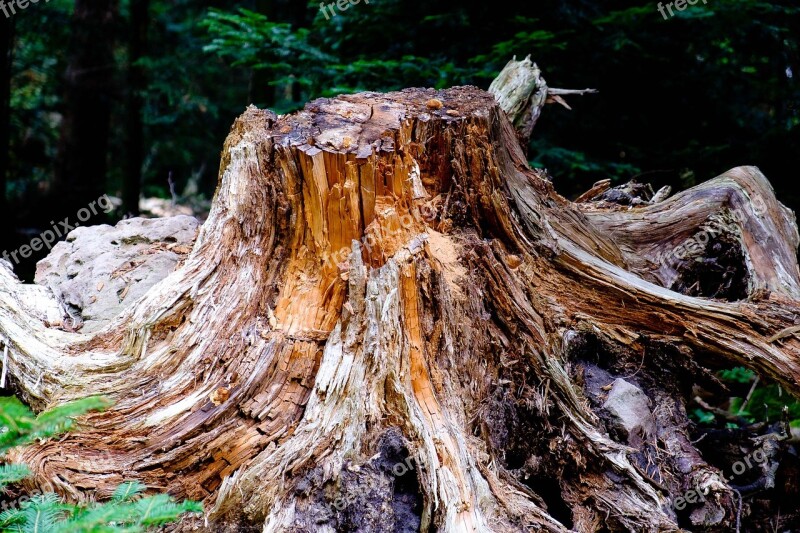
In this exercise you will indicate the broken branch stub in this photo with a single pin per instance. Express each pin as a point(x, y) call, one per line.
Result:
point(522, 93)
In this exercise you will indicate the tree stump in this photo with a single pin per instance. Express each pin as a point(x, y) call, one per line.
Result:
point(389, 322)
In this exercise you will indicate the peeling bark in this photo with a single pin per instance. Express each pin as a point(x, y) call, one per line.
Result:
point(382, 279)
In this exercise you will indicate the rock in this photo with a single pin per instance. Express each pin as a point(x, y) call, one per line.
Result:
point(630, 408)
point(101, 270)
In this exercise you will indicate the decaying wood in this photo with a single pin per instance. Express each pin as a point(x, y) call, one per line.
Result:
point(521, 92)
point(382, 278)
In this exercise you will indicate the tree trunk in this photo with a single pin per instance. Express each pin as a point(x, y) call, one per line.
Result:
point(383, 284)
point(89, 91)
point(6, 56)
point(132, 187)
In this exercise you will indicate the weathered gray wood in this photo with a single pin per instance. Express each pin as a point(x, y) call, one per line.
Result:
point(522, 93)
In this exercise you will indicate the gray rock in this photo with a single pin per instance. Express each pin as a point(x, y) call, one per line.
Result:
point(98, 271)
point(630, 408)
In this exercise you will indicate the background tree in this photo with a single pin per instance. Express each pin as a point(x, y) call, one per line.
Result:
point(139, 24)
point(89, 92)
point(6, 54)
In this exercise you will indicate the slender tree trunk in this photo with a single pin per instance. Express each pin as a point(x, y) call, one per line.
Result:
point(89, 92)
point(136, 84)
point(389, 322)
point(6, 58)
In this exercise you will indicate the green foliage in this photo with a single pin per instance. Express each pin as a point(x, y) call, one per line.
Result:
point(702, 416)
point(738, 374)
point(249, 38)
point(724, 61)
point(128, 511)
point(40, 513)
point(19, 426)
point(712, 87)
point(12, 473)
point(190, 101)
point(759, 403)
point(577, 162)
point(296, 57)
point(681, 100)
point(246, 38)
point(767, 404)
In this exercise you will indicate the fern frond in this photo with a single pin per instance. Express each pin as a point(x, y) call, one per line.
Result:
point(11, 473)
point(60, 419)
point(127, 491)
point(19, 426)
point(100, 518)
point(10, 517)
point(162, 509)
point(126, 514)
point(41, 514)
point(16, 419)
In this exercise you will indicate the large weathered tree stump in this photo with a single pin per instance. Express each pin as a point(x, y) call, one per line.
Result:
point(384, 281)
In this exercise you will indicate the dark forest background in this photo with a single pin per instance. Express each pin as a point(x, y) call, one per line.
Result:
point(134, 98)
